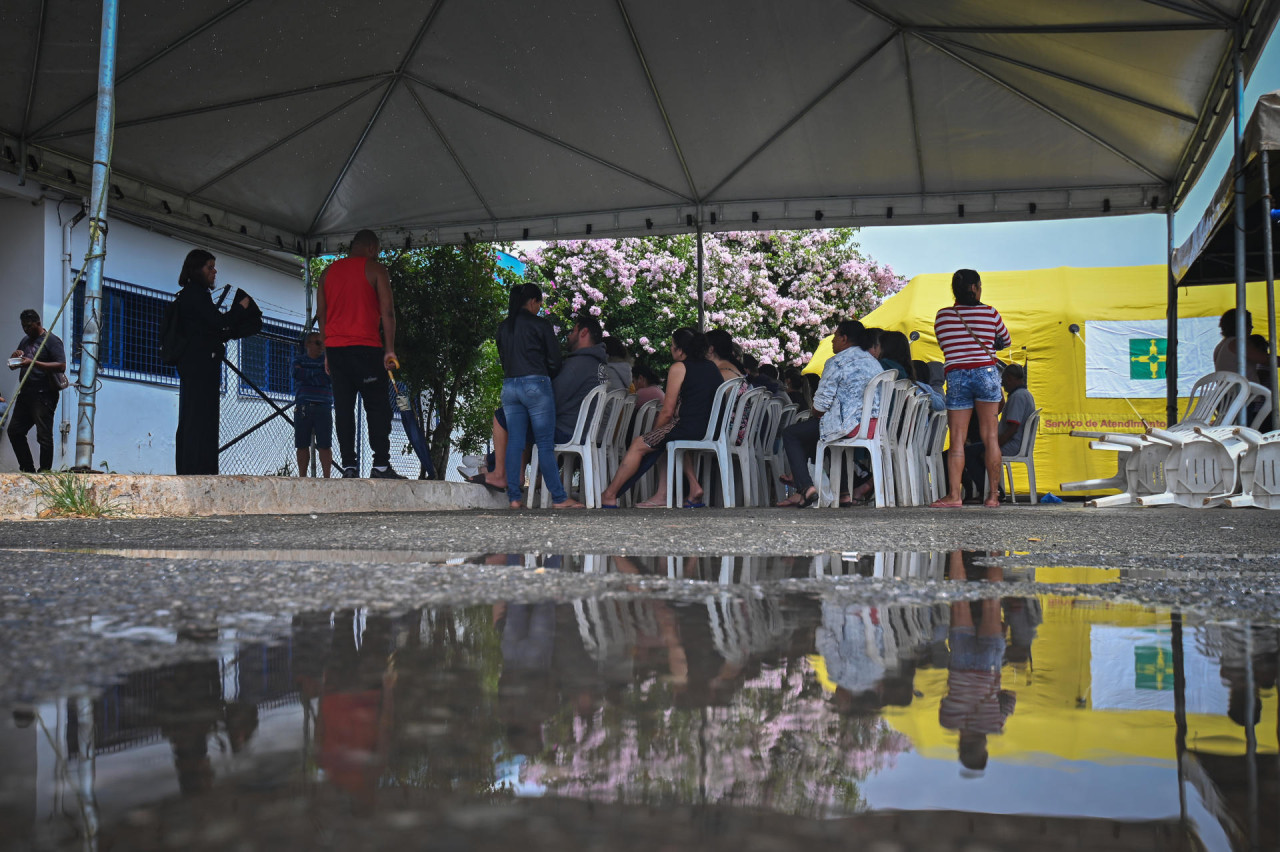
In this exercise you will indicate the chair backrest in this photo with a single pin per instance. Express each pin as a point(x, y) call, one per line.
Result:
point(590, 413)
point(771, 414)
point(721, 405)
point(1028, 446)
point(937, 432)
point(1216, 399)
point(613, 403)
point(899, 425)
point(645, 418)
point(745, 410)
point(1258, 392)
point(620, 436)
point(878, 392)
point(920, 414)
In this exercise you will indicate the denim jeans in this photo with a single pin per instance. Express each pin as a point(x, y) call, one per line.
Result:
point(528, 402)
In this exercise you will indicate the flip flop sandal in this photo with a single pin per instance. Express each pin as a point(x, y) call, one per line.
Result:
point(694, 504)
point(479, 479)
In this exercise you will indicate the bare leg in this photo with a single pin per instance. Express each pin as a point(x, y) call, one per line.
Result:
point(958, 425)
point(498, 476)
point(989, 429)
point(626, 469)
point(659, 496)
point(303, 459)
point(326, 461)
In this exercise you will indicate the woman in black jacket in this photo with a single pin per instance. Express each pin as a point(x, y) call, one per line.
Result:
point(205, 331)
point(530, 356)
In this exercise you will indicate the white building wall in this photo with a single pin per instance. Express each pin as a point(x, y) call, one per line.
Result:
point(135, 421)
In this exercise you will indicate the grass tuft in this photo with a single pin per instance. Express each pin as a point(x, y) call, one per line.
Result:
point(64, 494)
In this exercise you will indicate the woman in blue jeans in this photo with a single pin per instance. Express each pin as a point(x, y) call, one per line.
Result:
point(530, 356)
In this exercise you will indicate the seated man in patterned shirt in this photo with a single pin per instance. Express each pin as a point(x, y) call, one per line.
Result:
point(837, 408)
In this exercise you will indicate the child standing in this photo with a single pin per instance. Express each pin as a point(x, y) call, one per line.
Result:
point(313, 405)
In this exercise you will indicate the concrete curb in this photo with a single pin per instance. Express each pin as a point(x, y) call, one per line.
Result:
point(186, 496)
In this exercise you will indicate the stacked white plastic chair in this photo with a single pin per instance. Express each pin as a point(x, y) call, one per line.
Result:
point(880, 387)
point(1259, 470)
point(1216, 399)
point(777, 416)
point(1201, 468)
point(713, 442)
point(584, 446)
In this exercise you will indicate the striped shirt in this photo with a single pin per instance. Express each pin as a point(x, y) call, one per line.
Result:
point(962, 352)
point(975, 703)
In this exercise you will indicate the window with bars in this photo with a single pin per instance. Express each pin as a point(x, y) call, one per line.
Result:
point(267, 359)
point(129, 341)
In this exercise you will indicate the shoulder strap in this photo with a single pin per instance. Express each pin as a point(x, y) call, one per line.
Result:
point(975, 337)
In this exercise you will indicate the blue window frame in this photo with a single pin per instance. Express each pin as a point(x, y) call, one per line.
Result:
point(267, 359)
point(128, 344)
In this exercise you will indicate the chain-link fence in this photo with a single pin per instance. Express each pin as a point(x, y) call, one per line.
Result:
point(257, 440)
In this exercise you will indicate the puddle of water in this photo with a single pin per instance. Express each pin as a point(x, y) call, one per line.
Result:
point(907, 565)
point(1037, 722)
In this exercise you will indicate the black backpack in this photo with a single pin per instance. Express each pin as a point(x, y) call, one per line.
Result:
point(173, 343)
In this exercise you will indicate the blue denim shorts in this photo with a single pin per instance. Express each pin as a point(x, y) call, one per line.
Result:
point(965, 387)
point(317, 418)
point(973, 653)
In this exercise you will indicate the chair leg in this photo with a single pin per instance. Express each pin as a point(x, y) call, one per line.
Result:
point(1031, 482)
point(675, 490)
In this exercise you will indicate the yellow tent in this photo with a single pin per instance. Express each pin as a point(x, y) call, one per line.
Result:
point(1039, 306)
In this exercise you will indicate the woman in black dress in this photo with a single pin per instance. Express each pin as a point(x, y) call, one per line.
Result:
point(206, 331)
point(686, 408)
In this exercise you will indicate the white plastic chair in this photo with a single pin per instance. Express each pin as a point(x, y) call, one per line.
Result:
point(722, 406)
point(620, 435)
point(583, 445)
point(903, 457)
point(1025, 456)
point(645, 417)
point(1202, 468)
point(878, 394)
point(745, 447)
point(771, 458)
point(935, 455)
point(1216, 399)
point(1259, 471)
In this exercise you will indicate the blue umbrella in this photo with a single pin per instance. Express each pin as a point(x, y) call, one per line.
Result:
point(400, 391)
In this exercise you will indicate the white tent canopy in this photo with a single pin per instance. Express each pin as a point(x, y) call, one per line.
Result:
point(291, 123)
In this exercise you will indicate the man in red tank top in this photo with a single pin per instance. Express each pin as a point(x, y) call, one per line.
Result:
point(358, 323)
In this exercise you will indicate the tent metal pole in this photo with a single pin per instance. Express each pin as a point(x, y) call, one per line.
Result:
point(1237, 164)
point(1269, 266)
point(1179, 710)
point(104, 129)
point(702, 317)
point(1171, 332)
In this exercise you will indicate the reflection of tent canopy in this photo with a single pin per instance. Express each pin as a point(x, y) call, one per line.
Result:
point(489, 117)
point(1209, 254)
point(1088, 381)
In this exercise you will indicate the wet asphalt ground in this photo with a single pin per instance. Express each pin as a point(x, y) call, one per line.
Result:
point(81, 599)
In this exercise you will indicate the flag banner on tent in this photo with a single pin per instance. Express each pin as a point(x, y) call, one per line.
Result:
point(1131, 668)
point(1127, 359)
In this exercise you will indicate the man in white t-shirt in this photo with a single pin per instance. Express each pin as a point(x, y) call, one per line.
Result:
point(1019, 405)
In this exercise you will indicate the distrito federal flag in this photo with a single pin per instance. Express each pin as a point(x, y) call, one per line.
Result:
point(1129, 358)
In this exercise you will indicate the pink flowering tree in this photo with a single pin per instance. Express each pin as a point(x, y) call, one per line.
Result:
point(777, 292)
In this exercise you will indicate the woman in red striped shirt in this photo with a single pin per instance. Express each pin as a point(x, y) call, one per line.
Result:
point(970, 333)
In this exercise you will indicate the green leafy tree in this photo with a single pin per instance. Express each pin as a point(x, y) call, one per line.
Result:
point(449, 300)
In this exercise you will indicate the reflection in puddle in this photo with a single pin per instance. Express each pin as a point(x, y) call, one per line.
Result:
point(1100, 720)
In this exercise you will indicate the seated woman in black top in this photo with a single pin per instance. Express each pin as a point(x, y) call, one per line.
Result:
point(691, 389)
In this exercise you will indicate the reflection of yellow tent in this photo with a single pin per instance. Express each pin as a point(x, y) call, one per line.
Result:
point(1055, 718)
point(1039, 306)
